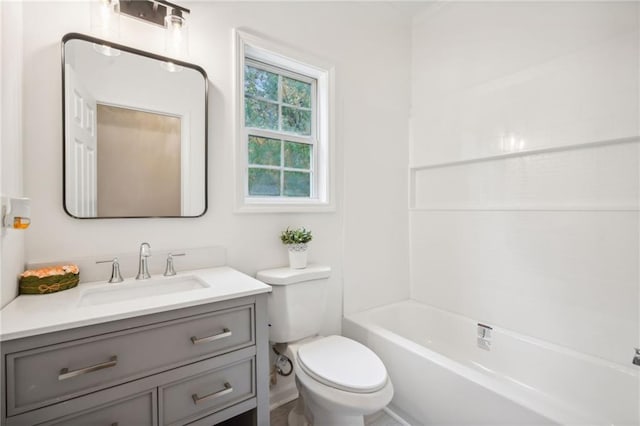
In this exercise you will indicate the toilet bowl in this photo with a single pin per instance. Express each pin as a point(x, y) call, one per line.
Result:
point(339, 381)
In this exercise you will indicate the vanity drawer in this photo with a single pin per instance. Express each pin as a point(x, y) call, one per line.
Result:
point(55, 373)
point(135, 411)
point(205, 393)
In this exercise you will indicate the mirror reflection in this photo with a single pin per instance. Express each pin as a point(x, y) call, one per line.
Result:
point(134, 132)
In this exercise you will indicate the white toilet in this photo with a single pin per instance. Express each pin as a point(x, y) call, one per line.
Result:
point(339, 380)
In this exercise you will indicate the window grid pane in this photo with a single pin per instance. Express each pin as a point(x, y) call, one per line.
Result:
point(261, 114)
point(260, 83)
point(264, 151)
point(276, 102)
point(296, 120)
point(296, 93)
point(297, 155)
point(264, 182)
point(296, 184)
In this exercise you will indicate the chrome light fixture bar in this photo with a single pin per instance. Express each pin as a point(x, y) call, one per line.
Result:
point(152, 11)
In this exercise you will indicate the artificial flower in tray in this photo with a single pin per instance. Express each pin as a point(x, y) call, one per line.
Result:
point(49, 279)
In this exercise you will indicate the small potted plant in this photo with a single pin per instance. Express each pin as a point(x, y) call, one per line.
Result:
point(296, 241)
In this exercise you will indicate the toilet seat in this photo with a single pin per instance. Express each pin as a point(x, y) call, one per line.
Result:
point(342, 363)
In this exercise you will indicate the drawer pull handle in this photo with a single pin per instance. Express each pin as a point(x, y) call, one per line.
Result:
point(226, 391)
point(66, 374)
point(225, 333)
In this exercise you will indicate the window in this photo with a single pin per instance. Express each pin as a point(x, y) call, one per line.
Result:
point(283, 131)
point(279, 123)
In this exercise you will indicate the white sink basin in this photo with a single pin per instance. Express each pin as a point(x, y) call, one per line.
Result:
point(140, 289)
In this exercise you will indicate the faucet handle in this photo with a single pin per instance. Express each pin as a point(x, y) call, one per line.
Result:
point(116, 277)
point(145, 250)
point(169, 270)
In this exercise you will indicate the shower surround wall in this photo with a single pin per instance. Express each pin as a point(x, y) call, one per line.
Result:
point(524, 179)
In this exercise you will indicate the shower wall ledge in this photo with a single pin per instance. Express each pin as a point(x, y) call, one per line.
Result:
point(593, 176)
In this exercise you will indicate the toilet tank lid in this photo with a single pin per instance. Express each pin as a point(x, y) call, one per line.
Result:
point(286, 276)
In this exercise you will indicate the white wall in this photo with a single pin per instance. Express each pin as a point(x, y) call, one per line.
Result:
point(375, 131)
point(11, 185)
point(544, 243)
point(368, 45)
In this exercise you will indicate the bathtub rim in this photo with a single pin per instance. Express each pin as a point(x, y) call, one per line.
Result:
point(620, 368)
point(535, 400)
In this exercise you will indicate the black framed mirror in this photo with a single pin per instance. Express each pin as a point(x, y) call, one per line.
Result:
point(134, 132)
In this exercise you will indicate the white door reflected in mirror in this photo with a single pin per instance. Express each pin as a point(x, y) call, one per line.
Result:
point(80, 152)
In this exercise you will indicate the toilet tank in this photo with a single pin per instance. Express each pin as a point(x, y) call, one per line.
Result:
point(297, 301)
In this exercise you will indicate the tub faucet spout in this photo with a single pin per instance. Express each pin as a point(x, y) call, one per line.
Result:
point(143, 262)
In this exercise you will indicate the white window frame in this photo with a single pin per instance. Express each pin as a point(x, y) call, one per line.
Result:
point(285, 61)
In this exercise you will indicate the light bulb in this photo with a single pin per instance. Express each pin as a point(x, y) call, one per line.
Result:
point(105, 19)
point(105, 24)
point(176, 37)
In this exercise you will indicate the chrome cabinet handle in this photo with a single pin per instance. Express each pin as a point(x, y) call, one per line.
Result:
point(225, 333)
point(66, 374)
point(227, 390)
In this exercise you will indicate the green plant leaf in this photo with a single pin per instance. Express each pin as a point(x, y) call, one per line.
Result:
point(296, 236)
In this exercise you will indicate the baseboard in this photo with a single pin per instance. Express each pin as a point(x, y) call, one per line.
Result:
point(400, 416)
point(283, 396)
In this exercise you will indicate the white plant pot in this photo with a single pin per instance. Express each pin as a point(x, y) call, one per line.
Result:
point(297, 256)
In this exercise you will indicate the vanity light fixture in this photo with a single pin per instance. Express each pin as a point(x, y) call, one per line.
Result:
point(170, 16)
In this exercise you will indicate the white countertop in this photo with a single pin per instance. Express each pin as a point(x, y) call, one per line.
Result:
point(31, 315)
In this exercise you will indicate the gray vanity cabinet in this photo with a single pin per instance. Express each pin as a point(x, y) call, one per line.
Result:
point(198, 365)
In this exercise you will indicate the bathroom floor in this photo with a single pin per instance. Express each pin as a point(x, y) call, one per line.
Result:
point(279, 417)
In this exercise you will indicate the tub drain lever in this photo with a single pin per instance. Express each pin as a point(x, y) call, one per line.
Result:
point(484, 336)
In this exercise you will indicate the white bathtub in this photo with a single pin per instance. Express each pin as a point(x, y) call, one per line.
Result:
point(440, 376)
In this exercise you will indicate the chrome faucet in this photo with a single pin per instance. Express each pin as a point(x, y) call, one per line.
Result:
point(169, 270)
point(143, 262)
point(636, 358)
point(116, 277)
